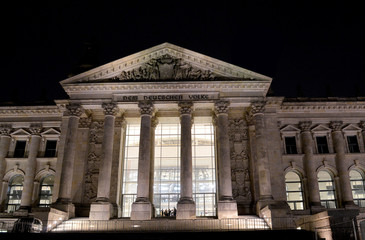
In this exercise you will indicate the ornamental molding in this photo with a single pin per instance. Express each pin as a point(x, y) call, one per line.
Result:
point(324, 107)
point(30, 110)
point(165, 61)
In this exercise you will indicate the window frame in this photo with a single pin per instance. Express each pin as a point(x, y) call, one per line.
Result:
point(301, 191)
point(325, 202)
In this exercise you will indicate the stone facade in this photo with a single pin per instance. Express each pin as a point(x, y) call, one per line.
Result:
point(252, 132)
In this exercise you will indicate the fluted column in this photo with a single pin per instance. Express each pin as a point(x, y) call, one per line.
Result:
point(310, 166)
point(343, 174)
point(186, 204)
point(227, 207)
point(257, 111)
point(34, 142)
point(5, 140)
point(142, 207)
point(64, 201)
point(102, 209)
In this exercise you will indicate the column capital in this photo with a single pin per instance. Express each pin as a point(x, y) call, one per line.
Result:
point(305, 126)
point(336, 125)
point(35, 129)
point(146, 108)
point(74, 110)
point(5, 129)
point(257, 108)
point(185, 107)
point(221, 107)
point(110, 108)
point(154, 122)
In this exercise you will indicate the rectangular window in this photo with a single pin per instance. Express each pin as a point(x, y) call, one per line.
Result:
point(50, 148)
point(130, 168)
point(19, 150)
point(353, 144)
point(322, 145)
point(290, 145)
point(204, 180)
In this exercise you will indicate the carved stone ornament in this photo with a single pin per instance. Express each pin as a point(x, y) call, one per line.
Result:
point(166, 67)
point(257, 108)
point(305, 126)
point(110, 109)
point(238, 130)
point(74, 110)
point(5, 129)
point(85, 122)
point(336, 125)
point(221, 107)
point(185, 107)
point(146, 108)
point(35, 129)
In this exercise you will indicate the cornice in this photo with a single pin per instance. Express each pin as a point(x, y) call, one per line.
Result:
point(358, 106)
point(30, 110)
point(168, 86)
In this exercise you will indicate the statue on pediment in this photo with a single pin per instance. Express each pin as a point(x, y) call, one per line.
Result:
point(166, 67)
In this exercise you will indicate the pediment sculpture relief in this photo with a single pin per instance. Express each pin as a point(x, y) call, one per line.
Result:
point(166, 67)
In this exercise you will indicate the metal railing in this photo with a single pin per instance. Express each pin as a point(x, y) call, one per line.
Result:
point(154, 225)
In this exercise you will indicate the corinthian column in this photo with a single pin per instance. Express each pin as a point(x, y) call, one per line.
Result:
point(310, 167)
point(34, 141)
point(102, 209)
point(186, 204)
point(263, 166)
point(4, 148)
point(227, 207)
point(142, 207)
point(64, 201)
point(341, 164)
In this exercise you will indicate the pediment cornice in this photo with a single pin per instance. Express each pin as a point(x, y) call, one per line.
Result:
point(165, 62)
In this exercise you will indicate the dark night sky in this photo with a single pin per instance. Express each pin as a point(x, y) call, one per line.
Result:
point(309, 49)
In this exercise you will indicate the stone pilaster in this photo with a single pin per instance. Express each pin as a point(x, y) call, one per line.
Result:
point(343, 174)
point(34, 143)
point(102, 209)
point(186, 206)
point(5, 140)
point(257, 115)
point(310, 167)
point(64, 201)
point(227, 207)
point(142, 207)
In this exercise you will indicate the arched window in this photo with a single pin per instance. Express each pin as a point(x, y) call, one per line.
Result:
point(327, 190)
point(294, 191)
point(14, 193)
point(45, 193)
point(358, 188)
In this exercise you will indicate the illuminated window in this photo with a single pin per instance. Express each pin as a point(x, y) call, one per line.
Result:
point(130, 168)
point(358, 188)
point(204, 176)
point(15, 193)
point(167, 166)
point(294, 191)
point(327, 190)
point(45, 195)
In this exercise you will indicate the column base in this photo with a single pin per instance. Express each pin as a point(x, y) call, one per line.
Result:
point(227, 209)
point(141, 211)
point(66, 207)
point(101, 211)
point(316, 208)
point(186, 210)
point(22, 212)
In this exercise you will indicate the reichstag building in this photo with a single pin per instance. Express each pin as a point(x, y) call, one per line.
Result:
point(171, 133)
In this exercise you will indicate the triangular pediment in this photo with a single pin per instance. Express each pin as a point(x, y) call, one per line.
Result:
point(289, 129)
point(50, 132)
point(352, 128)
point(321, 128)
point(20, 132)
point(165, 62)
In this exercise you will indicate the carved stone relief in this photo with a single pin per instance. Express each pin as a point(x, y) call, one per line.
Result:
point(165, 67)
point(93, 161)
point(241, 183)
